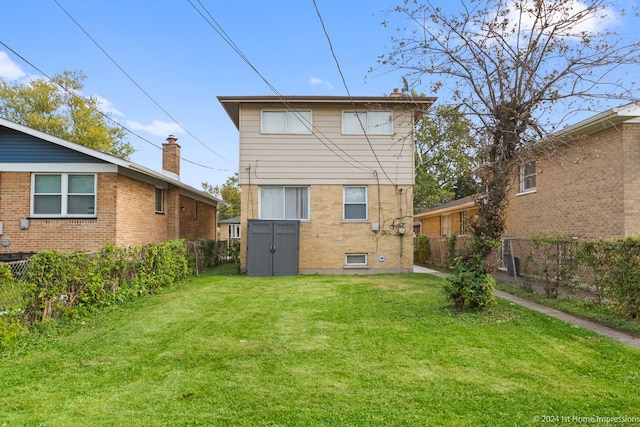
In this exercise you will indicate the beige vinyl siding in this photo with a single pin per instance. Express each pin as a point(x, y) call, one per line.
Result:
point(329, 157)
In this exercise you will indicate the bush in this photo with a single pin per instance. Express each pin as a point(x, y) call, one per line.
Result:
point(470, 285)
point(422, 251)
point(67, 283)
point(615, 263)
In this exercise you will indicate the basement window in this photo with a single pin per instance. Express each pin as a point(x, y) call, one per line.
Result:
point(355, 260)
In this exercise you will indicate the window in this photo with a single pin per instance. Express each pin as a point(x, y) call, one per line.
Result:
point(465, 222)
point(355, 203)
point(159, 200)
point(373, 122)
point(445, 225)
point(355, 259)
point(284, 202)
point(63, 195)
point(233, 231)
point(286, 121)
point(528, 177)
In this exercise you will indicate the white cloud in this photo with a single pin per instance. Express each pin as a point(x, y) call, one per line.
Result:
point(317, 81)
point(9, 70)
point(157, 128)
point(107, 107)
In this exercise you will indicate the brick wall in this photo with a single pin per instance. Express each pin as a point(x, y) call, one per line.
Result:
point(326, 238)
point(582, 192)
point(197, 219)
point(61, 234)
point(125, 216)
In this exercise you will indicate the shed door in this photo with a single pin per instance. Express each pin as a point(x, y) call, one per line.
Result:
point(272, 247)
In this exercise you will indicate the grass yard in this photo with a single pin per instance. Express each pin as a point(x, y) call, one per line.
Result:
point(317, 351)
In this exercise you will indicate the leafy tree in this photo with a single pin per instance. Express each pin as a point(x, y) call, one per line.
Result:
point(518, 69)
point(230, 193)
point(58, 107)
point(445, 152)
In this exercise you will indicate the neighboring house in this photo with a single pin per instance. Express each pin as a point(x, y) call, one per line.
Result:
point(327, 182)
point(441, 222)
point(231, 228)
point(448, 219)
point(55, 194)
point(590, 188)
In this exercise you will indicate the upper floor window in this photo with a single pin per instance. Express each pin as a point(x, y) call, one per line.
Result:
point(286, 121)
point(355, 203)
point(284, 202)
point(63, 195)
point(373, 122)
point(528, 177)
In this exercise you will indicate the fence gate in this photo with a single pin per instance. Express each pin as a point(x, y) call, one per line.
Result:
point(272, 247)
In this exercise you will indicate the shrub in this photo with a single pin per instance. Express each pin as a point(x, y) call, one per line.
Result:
point(470, 285)
point(422, 250)
point(615, 263)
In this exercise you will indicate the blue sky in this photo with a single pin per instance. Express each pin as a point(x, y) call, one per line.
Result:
point(183, 64)
point(175, 56)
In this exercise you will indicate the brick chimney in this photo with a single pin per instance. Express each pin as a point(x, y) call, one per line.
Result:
point(171, 156)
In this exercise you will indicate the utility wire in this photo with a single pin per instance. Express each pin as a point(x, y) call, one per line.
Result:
point(211, 21)
point(106, 116)
point(136, 83)
point(344, 82)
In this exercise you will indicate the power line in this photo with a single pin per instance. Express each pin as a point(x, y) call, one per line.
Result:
point(344, 82)
point(222, 33)
point(105, 116)
point(136, 83)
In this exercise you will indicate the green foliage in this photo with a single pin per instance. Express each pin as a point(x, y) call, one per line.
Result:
point(469, 287)
point(552, 262)
point(615, 263)
point(451, 248)
point(471, 284)
point(445, 152)
point(57, 107)
point(70, 283)
point(230, 193)
point(422, 251)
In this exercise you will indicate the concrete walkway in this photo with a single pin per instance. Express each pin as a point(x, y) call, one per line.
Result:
point(552, 312)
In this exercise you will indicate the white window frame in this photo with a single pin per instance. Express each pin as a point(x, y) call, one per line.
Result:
point(64, 195)
point(366, 121)
point(159, 194)
point(524, 178)
point(302, 118)
point(345, 203)
point(233, 231)
point(356, 264)
point(284, 201)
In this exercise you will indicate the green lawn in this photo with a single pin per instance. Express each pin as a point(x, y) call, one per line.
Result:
point(316, 351)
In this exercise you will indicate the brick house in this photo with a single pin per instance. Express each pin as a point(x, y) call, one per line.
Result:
point(338, 171)
point(448, 219)
point(55, 194)
point(590, 187)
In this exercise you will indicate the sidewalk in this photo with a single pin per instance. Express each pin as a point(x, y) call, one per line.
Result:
point(552, 312)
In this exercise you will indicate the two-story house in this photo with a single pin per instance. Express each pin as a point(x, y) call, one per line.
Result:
point(326, 182)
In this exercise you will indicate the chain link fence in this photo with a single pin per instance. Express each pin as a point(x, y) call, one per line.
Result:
point(549, 267)
point(543, 266)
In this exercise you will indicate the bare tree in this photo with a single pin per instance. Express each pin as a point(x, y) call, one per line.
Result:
point(520, 69)
point(517, 67)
